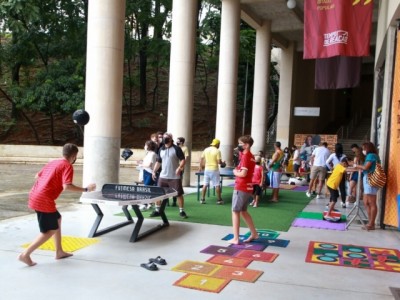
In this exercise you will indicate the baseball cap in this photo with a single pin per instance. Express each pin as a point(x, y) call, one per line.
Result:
point(214, 142)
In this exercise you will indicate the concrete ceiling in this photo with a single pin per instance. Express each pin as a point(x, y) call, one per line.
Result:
point(286, 24)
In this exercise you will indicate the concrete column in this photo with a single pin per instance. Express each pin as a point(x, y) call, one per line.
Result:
point(181, 79)
point(227, 78)
point(103, 99)
point(285, 96)
point(259, 121)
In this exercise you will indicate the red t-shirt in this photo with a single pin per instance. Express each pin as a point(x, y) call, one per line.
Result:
point(49, 185)
point(245, 184)
point(257, 175)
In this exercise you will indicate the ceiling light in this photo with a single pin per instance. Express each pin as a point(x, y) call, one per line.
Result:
point(291, 4)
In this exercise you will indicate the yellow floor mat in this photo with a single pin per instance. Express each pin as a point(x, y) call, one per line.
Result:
point(69, 243)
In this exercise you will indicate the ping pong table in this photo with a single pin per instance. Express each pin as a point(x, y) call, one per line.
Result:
point(124, 196)
point(223, 172)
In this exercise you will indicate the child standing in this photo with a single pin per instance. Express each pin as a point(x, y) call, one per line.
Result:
point(333, 183)
point(258, 180)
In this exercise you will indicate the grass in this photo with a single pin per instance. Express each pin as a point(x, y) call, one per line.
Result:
point(275, 216)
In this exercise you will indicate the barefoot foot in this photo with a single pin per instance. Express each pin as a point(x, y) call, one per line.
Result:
point(63, 254)
point(234, 241)
point(26, 260)
point(251, 238)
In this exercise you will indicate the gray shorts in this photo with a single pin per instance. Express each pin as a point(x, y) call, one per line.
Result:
point(240, 200)
point(171, 183)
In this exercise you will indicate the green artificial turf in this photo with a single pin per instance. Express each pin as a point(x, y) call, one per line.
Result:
point(275, 216)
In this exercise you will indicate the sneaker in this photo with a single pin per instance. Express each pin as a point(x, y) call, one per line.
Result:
point(143, 207)
point(343, 205)
point(183, 214)
point(319, 196)
point(308, 194)
point(202, 201)
point(155, 214)
point(220, 202)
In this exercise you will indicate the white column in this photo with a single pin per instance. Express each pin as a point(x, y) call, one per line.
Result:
point(181, 79)
point(285, 96)
point(103, 99)
point(259, 121)
point(227, 78)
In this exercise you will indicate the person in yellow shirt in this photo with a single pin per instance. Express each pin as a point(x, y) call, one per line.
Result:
point(333, 183)
point(210, 159)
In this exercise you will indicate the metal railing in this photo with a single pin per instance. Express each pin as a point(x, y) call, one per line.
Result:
point(344, 130)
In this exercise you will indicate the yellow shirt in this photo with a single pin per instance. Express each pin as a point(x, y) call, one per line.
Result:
point(185, 151)
point(336, 177)
point(211, 156)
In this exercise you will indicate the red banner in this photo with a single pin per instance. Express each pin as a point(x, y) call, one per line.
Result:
point(337, 27)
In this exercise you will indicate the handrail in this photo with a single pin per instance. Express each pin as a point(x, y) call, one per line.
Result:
point(345, 130)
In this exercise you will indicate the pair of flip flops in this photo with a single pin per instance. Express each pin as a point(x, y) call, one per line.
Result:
point(153, 262)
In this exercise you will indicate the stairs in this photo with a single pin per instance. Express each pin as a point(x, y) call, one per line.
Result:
point(358, 135)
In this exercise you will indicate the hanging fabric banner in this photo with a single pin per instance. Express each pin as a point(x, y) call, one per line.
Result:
point(339, 72)
point(337, 27)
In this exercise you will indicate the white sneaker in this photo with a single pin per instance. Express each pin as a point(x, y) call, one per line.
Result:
point(319, 196)
point(143, 207)
point(308, 194)
point(343, 205)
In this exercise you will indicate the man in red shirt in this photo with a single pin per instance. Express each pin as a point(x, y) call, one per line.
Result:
point(243, 190)
point(54, 178)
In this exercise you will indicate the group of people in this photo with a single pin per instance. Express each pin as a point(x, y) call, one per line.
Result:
point(164, 163)
point(170, 160)
point(163, 166)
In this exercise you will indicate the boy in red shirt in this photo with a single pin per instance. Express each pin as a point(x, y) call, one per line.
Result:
point(54, 178)
point(243, 190)
point(258, 180)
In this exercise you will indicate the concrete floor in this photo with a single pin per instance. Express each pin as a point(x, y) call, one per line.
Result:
point(111, 268)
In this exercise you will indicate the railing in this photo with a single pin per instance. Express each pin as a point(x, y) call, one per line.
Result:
point(344, 130)
point(271, 134)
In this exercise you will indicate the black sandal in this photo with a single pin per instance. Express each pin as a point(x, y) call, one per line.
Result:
point(150, 266)
point(158, 260)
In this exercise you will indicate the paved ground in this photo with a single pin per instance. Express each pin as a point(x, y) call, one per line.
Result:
point(111, 268)
point(17, 180)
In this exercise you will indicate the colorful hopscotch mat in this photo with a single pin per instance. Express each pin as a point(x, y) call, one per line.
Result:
point(248, 246)
point(257, 255)
point(196, 267)
point(69, 243)
point(319, 224)
point(202, 283)
point(229, 261)
point(220, 250)
point(238, 273)
point(265, 234)
point(374, 258)
point(275, 243)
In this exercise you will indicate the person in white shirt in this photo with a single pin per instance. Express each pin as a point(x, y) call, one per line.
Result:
point(318, 169)
point(296, 160)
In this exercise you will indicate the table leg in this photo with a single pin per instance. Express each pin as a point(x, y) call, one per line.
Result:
point(135, 234)
point(198, 187)
point(95, 232)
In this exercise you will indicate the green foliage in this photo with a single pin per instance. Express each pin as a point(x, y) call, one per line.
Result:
point(57, 89)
